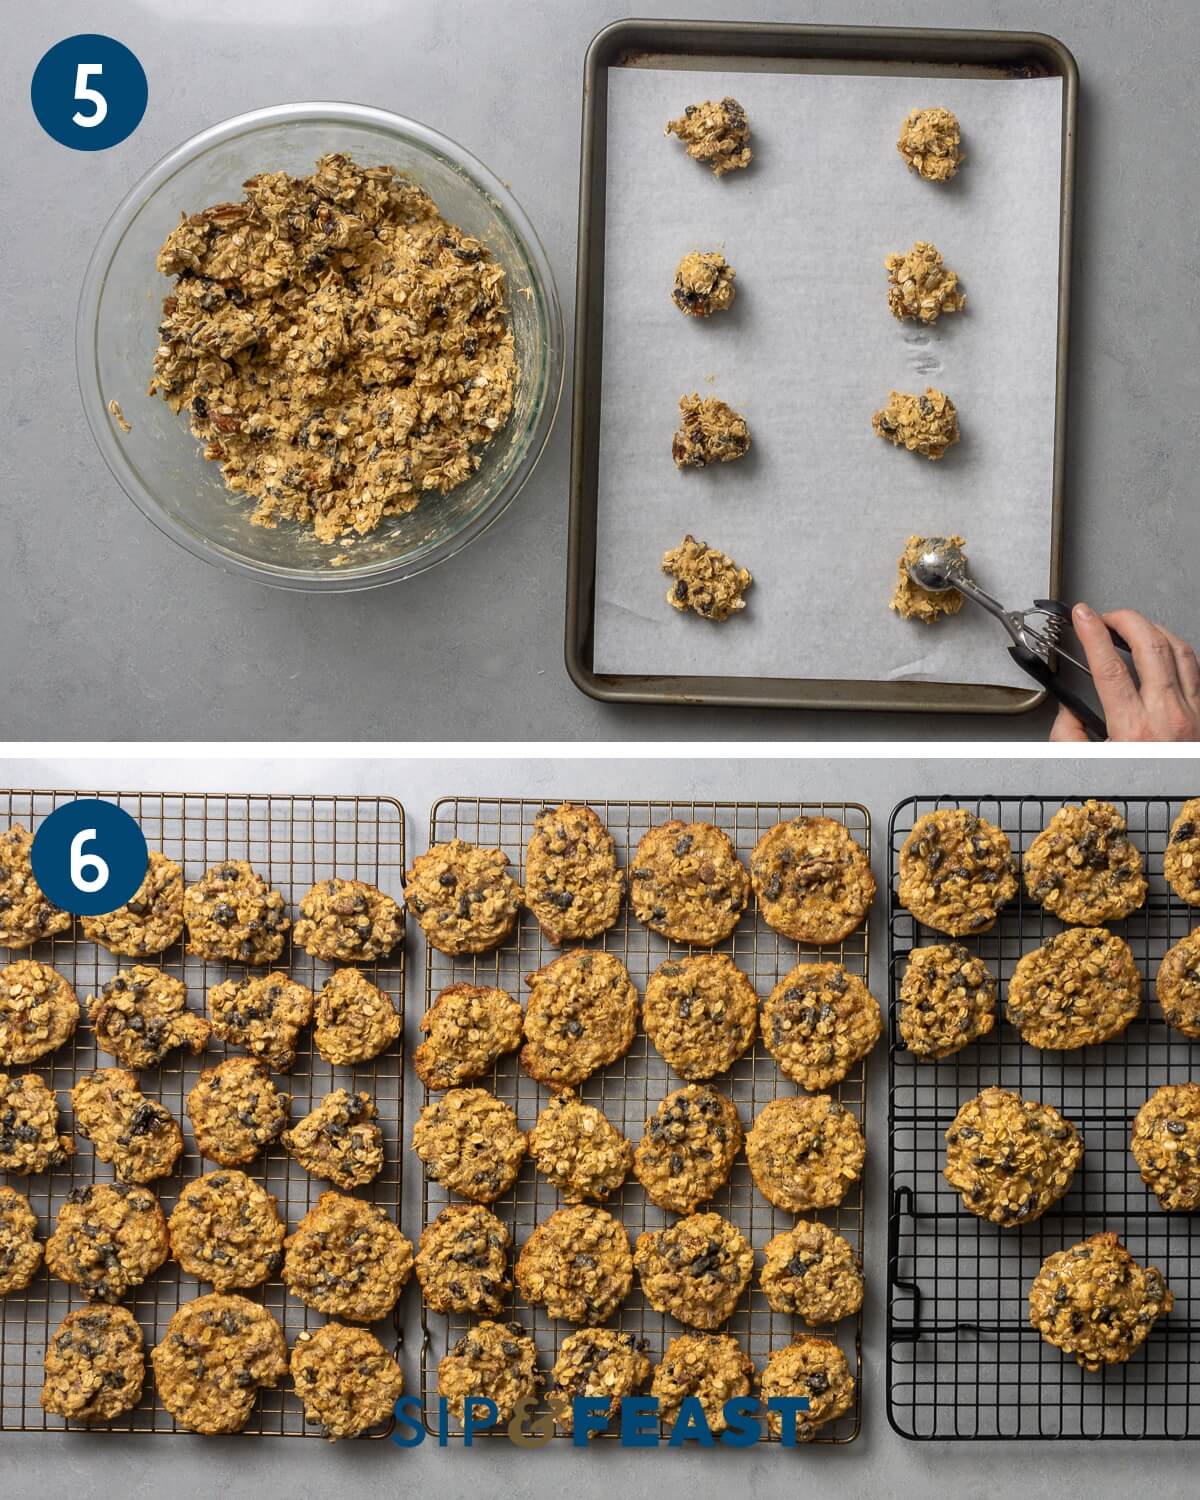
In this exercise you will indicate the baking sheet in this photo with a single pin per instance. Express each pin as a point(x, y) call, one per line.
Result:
point(820, 508)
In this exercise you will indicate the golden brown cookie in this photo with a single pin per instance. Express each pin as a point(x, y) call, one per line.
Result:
point(1166, 1145)
point(141, 1014)
point(578, 1150)
point(701, 1013)
point(1010, 1158)
point(812, 879)
point(95, 1365)
point(494, 1360)
point(1177, 985)
point(217, 1352)
point(695, 1269)
point(139, 1136)
point(348, 921)
point(925, 424)
point(232, 913)
point(468, 1028)
point(354, 1019)
point(20, 1248)
point(931, 143)
point(29, 1138)
point(1094, 1301)
point(109, 1237)
point(577, 1264)
point(264, 1013)
point(463, 897)
point(710, 432)
point(818, 1021)
point(601, 1364)
point(815, 1370)
point(150, 921)
point(909, 599)
point(688, 883)
point(947, 1000)
point(956, 871)
point(470, 1142)
point(573, 881)
point(688, 1148)
point(1181, 862)
point(38, 1011)
point(716, 133)
point(1083, 866)
point(805, 1152)
point(346, 1379)
point(347, 1259)
point(25, 915)
point(235, 1110)
point(812, 1273)
point(462, 1261)
point(1082, 986)
point(712, 1367)
point(707, 582)
point(920, 287)
point(226, 1229)
point(703, 284)
point(582, 1015)
point(339, 1140)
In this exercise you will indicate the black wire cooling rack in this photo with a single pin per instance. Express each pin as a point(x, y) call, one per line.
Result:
point(292, 842)
point(963, 1360)
point(629, 1090)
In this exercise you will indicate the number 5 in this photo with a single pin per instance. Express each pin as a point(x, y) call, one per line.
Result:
point(83, 73)
point(81, 863)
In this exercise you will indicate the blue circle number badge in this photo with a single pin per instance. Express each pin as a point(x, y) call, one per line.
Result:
point(89, 857)
point(89, 92)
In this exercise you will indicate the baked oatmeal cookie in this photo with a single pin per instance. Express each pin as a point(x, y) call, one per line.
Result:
point(264, 1013)
point(1166, 1145)
point(347, 1259)
point(688, 1148)
point(909, 599)
point(235, 1110)
point(340, 1140)
point(582, 1015)
point(1181, 861)
point(1094, 1301)
point(688, 883)
point(95, 1365)
point(710, 432)
point(706, 581)
point(819, 1021)
point(1083, 866)
point(931, 143)
point(1009, 1158)
point(25, 915)
point(947, 1000)
point(20, 1248)
point(601, 1364)
point(348, 921)
point(468, 1028)
point(462, 1261)
point(703, 284)
point(920, 287)
point(470, 1142)
point(141, 1014)
point(1177, 985)
point(1081, 987)
point(232, 913)
point(346, 1379)
point(695, 1269)
point(496, 1360)
point(29, 1138)
point(150, 921)
point(701, 1013)
point(578, 1150)
point(226, 1229)
point(217, 1352)
point(109, 1237)
point(716, 133)
point(577, 1265)
point(573, 881)
point(956, 871)
point(38, 1011)
point(812, 879)
point(354, 1020)
point(812, 1273)
point(925, 424)
point(463, 897)
point(812, 1368)
point(805, 1152)
point(713, 1367)
point(140, 1137)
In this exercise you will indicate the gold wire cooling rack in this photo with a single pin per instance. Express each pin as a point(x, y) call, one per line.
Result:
point(629, 1090)
point(292, 842)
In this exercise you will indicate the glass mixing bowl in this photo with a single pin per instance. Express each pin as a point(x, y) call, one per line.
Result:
point(158, 463)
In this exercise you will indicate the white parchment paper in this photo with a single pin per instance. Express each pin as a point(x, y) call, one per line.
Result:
point(820, 508)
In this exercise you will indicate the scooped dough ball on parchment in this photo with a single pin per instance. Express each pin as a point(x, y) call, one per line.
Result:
point(703, 284)
point(715, 132)
point(910, 600)
point(706, 581)
point(931, 143)
point(920, 286)
point(709, 432)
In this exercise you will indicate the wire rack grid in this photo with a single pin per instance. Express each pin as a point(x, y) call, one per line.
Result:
point(963, 1360)
point(629, 1090)
point(293, 842)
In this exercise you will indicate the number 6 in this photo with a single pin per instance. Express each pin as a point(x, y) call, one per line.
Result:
point(88, 95)
point(81, 863)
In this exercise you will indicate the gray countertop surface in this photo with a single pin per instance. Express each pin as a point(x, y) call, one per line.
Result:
point(879, 1463)
point(110, 631)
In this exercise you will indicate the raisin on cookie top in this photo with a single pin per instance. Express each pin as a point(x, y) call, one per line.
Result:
point(20, 1248)
point(812, 1368)
point(812, 879)
point(496, 1360)
point(577, 1264)
point(25, 915)
point(688, 884)
point(956, 871)
point(348, 921)
point(712, 1367)
point(354, 1019)
point(346, 1258)
point(695, 1269)
point(226, 1229)
point(1096, 1302)
point(573, 882)
point(468, 1028)
point(812, 1273)
point(141, 1014)
point(1166, 1145)
point(470, 1142)
point(582, 1015)
point(1010, 1158)
point(29, 1138)
point(150, 921)
point(39, 1011)
point(139, 1136)
point(232, 913)
point(264, 1013)
point(1181, 862)
point(805, 1152)
point(108, 1238)
point(701, 1014)
point(217, 1352)
point(235, 1110)
point(346, 1379)
point(1177, 985)
point(600, 1363)
point(1082, 986)
point(688, 1148)
point(339, 1140)
point(947, 1000)
point(95, 1365)
point(462, 1261)
point(463, 897)
point(1083, 866)
point(818, 1021)
point(578, 1150)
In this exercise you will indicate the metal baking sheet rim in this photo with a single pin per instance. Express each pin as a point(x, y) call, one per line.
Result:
point(855, 44)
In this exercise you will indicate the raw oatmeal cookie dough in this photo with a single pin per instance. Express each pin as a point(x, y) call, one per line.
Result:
point(947, 1000)
point(709, 432)
point(909, 599)
point(462, 1261)
point(235, 1110)
point(701, 1014)
point(688, 1148)
point(577, 1264)
point(925, 424)
point(1177, 985)
point(1181, 862)
point(716, 133)
point(817, 1022)
point(232, 913)
point(139, 1136)
point(573, 882)
point(463, 897)
point(1094, 1301)
point(1010, 1158)
point(25, 915)
point(341, 349)
point(812, 879)
point(354, 1020)
point(150, 921)
point(812, 1273)
point(688, 883)
point(931, 143)
point(346, 1379)
point(339, 1141)
point(601, 1364)
point(29, 1138)
point(347, 1259)
point(38, 1011)
point(815, 1369)
point(956, 871)
point(695, 1269)
point(713, 1367)
point(496, 1360)
point(582, 1015)
point(1081, 987)
point(1083, 866)
point(20, 1248)
point(141, 1014)
point(468, 1028)
point(706, 581)
point(703, 284)
point(920, 286)
point(95, 1365)
point(578, 1149)
point(805, 1152)
point(226, 1229)
point(264, 1013)
point(216, 1353)
point(348, 921)
point(109, 1237)
point(1166, 1146)
point(470, 1142)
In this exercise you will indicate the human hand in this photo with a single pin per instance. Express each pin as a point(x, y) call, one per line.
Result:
point(1165, 707)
